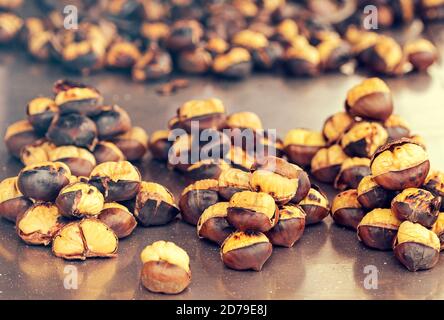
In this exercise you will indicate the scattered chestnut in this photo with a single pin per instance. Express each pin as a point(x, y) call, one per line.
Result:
point(232, 181)
point(301, 145)
point(39, 224)
point(421, 53)
point(246, 250)
point(363, 139)
point(80, 161)
point(43, 181)
point(249, 210)
point(336, 125)
point(12, 201)
point(118, 218)
point(80, 200)
point(315, 205)
point(326, 163)
point(133, 143)
point(40, 112)
point(438, 228)
point(213, 224)
point(106, 151)
point(434, 183)
point(159, 144)
point(346, 210)
point(396, 127)
point(118, 181)
point(289, 228)
point(19, 135)
point(400, 164)
point(154, 205)
point(166, 268)
point(351, 173)
point(210, 114)
point(36, 152)
point(378, 229)
point(371, 195)
point(236, 63)
point(416, 247)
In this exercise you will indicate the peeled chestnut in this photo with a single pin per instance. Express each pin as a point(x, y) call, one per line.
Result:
point(301, 145)
point(40, 112)
point(36, 152)
point(207, 114)
point(154, 205)
point(371, 99)
point(12, 201)
point(73, 129)
point(118, 181)
point(326, 163)
point(371, 195)
point(421, 53)
point(336, 125)
point(363, 139)
point(346, 209)
point(315, 205)
point(133, 143)
point(400, 164)
point(80, 161)
point(80, 200)
point(351, 173)
point(196, 198)
point(19, 135)
point(43, 181)
point(118, 218)
point(435, 184)
point(83, 239)
point(39, 224)
point(438, 228)
point(213, 224)
point(416, 247)
point(378, 229)
point(417, 205)
point(107, 151)
point(246, 250)
point(289, 228)
point(249, 210)
point(111, 121)
point(236, 63)
point(166, 268)
point(232, 181)
point(159, 144)
point(396, 127)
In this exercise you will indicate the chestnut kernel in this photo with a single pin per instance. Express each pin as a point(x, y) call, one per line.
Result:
point(133, 143)
point(118, 218)
point(315, 205)
point(106, 151)
point(213, 224)
point(289, 228)
point(40, 112)
point(371, 195)
point(352, 171)
point(12, 201)
point(249, 40)
point(19, 135)
point(236, 63)
point(232, 181)
point(80, 161)
point(209, 113)
point(336, 125)
point(346, 209)
point(80, 200)
point(301, 145)
point(327, 162)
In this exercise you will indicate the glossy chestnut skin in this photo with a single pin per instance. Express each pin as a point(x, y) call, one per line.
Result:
point(213, 224)
point(41, 111)
point(371, 195)
point(159, 145)
point(346, 210)
point(118, 218)
point(18, 135)
point(107, 151)
point(397, 128)
point(12, 201)
point(73, 129)
point(315, 205)
point(353, 170)
point(43, 181)
point(301, 145)
point(133, 143)
point(290, 227)
point(111, 121)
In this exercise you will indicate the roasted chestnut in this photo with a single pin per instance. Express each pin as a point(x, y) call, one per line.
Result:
point(232, 181)
point(206, 169)
point(289, 228)
point(269, 57)
point(378, 229)
point(12, 201)
point(417, 205)
point(133, 143)
point(43, 181)
point(416, 247)
point(346, 209)
point(80, 200)
point(236, 63)
point(301, 145)
point(396, 127)
point(40, 112)
point(363, 139)
point(83, 239)
point(336, 125)
point(213, 224)
point(386, 57)
point(111, 121)
point(73, 129)
point(371, 195)
point(80, 161)
point(107, 151)
point(303, 60)
point(209, 114)
point(217, 45)
point(255, 211)
point(184, 34)
point(159, 144)
point(166, 268)
point(72, 97)
point(36, 152)
point(122, 55)
point(196, 198)
point(400, 164)
point(10, 25)
point(39, 224)
point(370, 99)
point(327, 162)
point(153, 65)
point(435, 184)
point(246, 250)
point(19, 135)
point(196, 61)
point(155, 32)
point(118, 181)
point(421, 53)
point(244, 120)
point(315, 205)
point(333, 54)
point(249, 39)
point(118, 218)
point(351, 173)
point(438, 228)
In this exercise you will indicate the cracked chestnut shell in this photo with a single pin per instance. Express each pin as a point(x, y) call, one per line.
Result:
point(371, 99)
point(336, 125)
point(421, 53)
point(73, 97)
point(210, 114)
point(303, 60)
point(213, 224)
point(235, 63)
point(434, 183)
point(19, 135)
point(196, 61)
point(371, 195)
point(417, 205)
point(122, 55)
point(154, 205)
point(240, 159)
point(232, 181)
point(111, 121)
point(12, 201)
point(40, 112)
point(301, 145)
point(206, 169)
point(83, 239)
point(246, 250)
point(363, 139)
point(400, 164)
point(36, 152)
point(250, 210)
point(166, 268)
point(352, 171)
point(118, 181)
point(106, 151)
point(289, 228)
point(196, 198)
point(326, 163)
point(438, 228)
point(396, 127)
point(43, 181)
point(416, 247)
point(333, 54)
point(133, 143)
point(73, 129)
point(153, 65)
point(346, 209)
point(378, 229)
point(79, 200)
point(39, 224)
point(386, 56)
point(80, 161)
point(159, 144)
point(118, 218)
point(315, 205)
point(184, 34)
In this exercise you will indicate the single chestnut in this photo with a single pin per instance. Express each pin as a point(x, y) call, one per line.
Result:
point(80, 161)
point(36, 152)
point(184, 34)
point(41, 111)
point(235, 63)
point(207, 114)
point(133, 143)
point(19, 135)
point(386, 57)
point(363, 139)
point(159, 144)
point(122, 55)
point(315, 205)
point(326, 163)
point(111, 121)
point(336, 125)
point(79, 200)
point(303, 60)
point(118, 218)
point(352, 171)
point(396, 127)
point(154, 64)
point(434, 183)
point(206, 169)
point(301, 145)
point(195, 61)
point(371, 195)
point(333, 54)
point(232, 181)
point(106, 151)
point(289, 228)
point(12, 201)
point(421, 53)
point(213, 224)
point(346, 209)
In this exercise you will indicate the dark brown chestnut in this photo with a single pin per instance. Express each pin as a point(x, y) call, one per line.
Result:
point(327, 162)
point(118, 218)
point(346, 210)
point(111, 121)
point(315, 205)
point(79, 200)
point(363, 139)
point(19, 135)
point(12, 201)
point(40, 112)
point(371, 195)
point(301, 145)
point(421, 53)
point(196, 61)
point(208, 114)
point(80, 161)
point(333, 54)
point(289, 228)
point(184, 34)
point(213, 224)
point(107, 151)
point(206, 169)
point(159, 144)
point(351, 173)
point(133, 143)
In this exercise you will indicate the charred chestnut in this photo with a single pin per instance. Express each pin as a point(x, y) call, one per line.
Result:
point(80, 161)
point(421, 53)
point(208, 114)
point(301, 145)
point(289, 228)
point(435, 184)
point(371, 195)
point(327, 162)
point(10, 25)
point(351, 173)
point(315, 205)
point(363, 139)
point(133, 143)
point(19, 135)
point(396, 127)
point(378, 229)
point(166, 268)
point(40, 112)
point(336, 125)
point(213, 224)
point(80, 200)
point(118, 218)
point(159, 144)
point(12, 201)
point(236, 63)
point(232, 181)
point(107, 151)
point(246, 250)
point(346, 209)
point(111, 121)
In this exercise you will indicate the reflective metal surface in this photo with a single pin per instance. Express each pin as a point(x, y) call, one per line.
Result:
point(327, 263)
